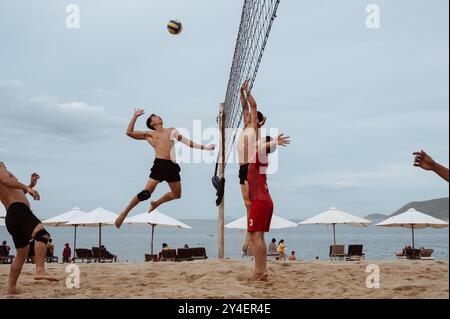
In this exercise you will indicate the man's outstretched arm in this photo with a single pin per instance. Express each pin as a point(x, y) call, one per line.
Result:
point(180, 138)
point(10, 182)
point(426, 162)
point(137, 135)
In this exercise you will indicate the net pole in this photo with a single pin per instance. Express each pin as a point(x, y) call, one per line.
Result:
point(221, 236)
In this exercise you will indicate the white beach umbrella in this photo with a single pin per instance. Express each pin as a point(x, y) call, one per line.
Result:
point(155, 219)
point(2, 215)
point(62, 219)
point(276, 223)
point(97, 218)
point(415, 220)
point(2, 211)
point(334, 217)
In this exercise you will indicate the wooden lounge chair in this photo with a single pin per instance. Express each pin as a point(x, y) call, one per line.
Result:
point(337, 252)
point(49, 258)
point(412, 253)
point(184, 254)
point(101, 255)
point(168, 255)
point(83, 254)
point(5, 258)
point(425, 254)
point(149, 257)
point(199, 253)
point(355, 253)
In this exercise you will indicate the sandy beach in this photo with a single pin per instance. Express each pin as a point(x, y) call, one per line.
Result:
point(229, 279)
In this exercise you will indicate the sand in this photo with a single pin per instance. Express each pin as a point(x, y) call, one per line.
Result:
point(229, 279)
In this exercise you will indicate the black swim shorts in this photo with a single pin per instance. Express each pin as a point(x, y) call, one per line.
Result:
point(243, 172)
point(21, 222)
point(165, 171)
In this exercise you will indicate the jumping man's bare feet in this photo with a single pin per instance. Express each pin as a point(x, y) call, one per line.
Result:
point(44, 276)
point(153, 205)
point(120, 220)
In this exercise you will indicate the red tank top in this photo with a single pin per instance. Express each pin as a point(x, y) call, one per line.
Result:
point(257, 181)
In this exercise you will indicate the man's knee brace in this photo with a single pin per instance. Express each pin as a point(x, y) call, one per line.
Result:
point(42, 236)
point(144, 195)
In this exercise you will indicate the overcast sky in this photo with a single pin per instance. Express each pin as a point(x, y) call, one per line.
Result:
point(356, 101)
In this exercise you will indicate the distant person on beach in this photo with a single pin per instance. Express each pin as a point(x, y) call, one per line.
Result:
point(165, 247)
point(50, 248)
point(426, 162)
point(186, 246)
point(293, 257)
point(4, 249)
point(273, 247)
point(23, 226)
point(280, 250)
point(67, 253)
point(261, 208)
point(246, 151)
point(165, 168)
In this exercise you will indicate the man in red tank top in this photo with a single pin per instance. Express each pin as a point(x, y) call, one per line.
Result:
point(261, 209)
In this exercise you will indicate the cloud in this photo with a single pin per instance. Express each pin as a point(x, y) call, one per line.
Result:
point(23, 112)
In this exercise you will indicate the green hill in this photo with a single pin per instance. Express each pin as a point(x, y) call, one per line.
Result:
point(437, 208)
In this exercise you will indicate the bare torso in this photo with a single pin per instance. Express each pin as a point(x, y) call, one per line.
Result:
point(246, 145)
point(9, 196)
point(163, 143)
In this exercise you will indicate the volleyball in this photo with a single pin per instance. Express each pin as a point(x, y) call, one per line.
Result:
point(175, 27)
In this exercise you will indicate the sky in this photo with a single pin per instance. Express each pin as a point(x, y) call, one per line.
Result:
point(357, 102)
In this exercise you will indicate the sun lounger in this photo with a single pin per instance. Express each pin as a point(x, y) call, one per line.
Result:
point(184, 254)
point(5, 258)
point(337, 252)
point(412, 253)
point(199, 253)
point(49, 258)
point(83, 254)
point(169, 255)
point(101, 255)
point(425, 254)
point(355, 252)
point(149, 257)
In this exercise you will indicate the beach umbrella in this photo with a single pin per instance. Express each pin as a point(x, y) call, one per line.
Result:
point(415, 220)
point(334, 217)
point(2, 215)
point(99, 217)
point(2, 211)
point(155, 219)
point(62, 219)
point(276, 223)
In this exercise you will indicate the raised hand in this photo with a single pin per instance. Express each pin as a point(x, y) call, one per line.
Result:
point(34, 179)
point(283, 140)
point(138, 112)
point(424, 161)
point(210, 147)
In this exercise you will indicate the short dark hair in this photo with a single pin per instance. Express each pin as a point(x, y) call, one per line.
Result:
point(260, 117)
point(165, 245)
point(149, 122)
point(50, 240)
point(274, 240)
point(4, 242)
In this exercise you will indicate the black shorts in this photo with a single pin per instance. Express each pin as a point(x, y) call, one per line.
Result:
point(243, 172)
point(21, 222)
point(165, 171)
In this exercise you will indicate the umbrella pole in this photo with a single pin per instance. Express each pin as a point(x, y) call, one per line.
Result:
point(334, 233)
point(153, 233)
point(75, 240)
point(412, 230)
point(99, 235)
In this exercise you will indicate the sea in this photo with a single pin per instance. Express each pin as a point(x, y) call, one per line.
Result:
point(310, 242)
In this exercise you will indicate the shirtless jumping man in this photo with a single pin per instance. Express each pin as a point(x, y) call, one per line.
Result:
point(165, 168)
point(23, 226)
